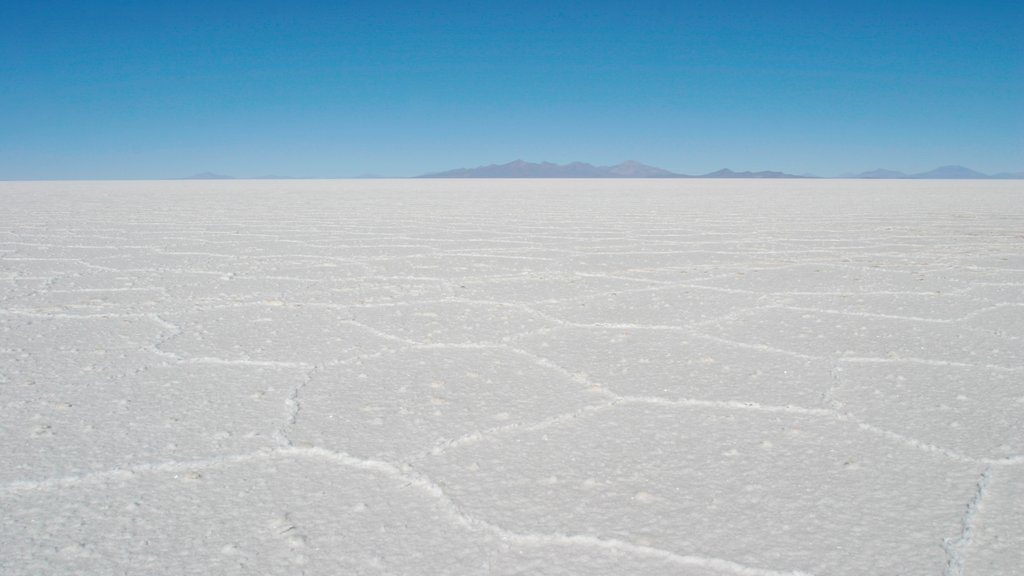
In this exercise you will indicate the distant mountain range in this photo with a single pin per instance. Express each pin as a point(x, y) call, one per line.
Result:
point(215, 176)
point(941, 173)
point(627, 169)
point(726, 173)
point(208, 176)
point(634, 169)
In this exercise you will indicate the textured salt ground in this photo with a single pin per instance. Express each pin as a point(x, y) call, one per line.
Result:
point(150, 414)
point(735, 477)
point(552, 377)
point(993, 538)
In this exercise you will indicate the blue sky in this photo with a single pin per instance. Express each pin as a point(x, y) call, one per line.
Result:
point(107, 89)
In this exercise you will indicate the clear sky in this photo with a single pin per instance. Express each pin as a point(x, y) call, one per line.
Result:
point(105, 89)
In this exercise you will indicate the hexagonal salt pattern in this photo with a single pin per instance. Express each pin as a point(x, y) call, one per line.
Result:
point(767, 378)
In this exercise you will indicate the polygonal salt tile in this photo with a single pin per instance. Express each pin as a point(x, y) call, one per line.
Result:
point(998, 293)
point(964, 409)
point(935, 307)
point(455, 322)
point(824, 277)
point(671, 306)
point(769, 491)
point(271, 332)
point(674, 365)
point(267, 514)
point(551, 287)
point(459, 266)
point(98, 301)
point(410, 402)
point(1006, 321)
point(52, 333)
point(836, 336)
point(91, 421)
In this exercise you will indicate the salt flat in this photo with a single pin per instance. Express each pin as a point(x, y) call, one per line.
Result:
point(512, 377)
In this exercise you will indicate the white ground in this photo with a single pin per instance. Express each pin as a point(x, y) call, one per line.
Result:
point(512, 377)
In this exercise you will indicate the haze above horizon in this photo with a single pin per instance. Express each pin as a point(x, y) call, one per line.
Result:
point(322, 89)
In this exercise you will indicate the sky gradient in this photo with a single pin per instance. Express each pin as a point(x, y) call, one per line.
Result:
point(334, 89)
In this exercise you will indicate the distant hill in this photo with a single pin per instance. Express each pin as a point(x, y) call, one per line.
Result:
point(726, 173)
point(951, 172)
point(627, 169)
point(881, 173)
point(634, 169)
point(524, 169)
point(215, 176)
point(208, 176)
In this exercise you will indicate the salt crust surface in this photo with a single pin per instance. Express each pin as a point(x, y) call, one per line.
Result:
point(505, 377)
